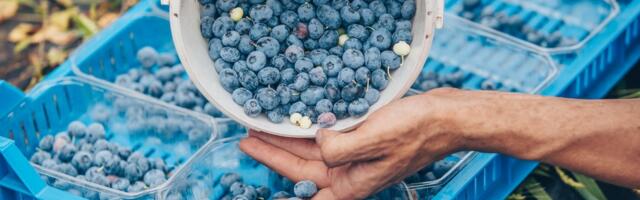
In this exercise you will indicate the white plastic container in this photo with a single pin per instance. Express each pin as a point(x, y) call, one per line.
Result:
point(193, 51)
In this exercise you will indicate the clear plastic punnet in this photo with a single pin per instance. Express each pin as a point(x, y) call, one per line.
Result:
point(547, 25)
point(202, 179)
point(138, 123)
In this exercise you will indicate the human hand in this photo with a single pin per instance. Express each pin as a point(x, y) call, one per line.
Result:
point(393, 143)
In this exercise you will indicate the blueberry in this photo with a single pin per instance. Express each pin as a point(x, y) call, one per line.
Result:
point(263, 192)
point(289, 18)
point(76, 129)
point(303, 64)
point(390, 60)
point(215, 45)
point(372, 96)
point(357, 31)
point(49, 164)
point(310, 44)
point(231, 38)
point(393, 7)
point(268, 98)
point(353, 43)
point(124, 152)
point(317, 56)
point(132, 172)
point(353, 58)
point(279, 61)
point(284, 94)
point(261, 13)
point(332, 65)
point(337, 50)
point(101, 157)
point(380, 38)
point(100, 144)
point(275, 5)
point(243, 26)
point(249, 80)
point(305, 189)
point(229, 178)
point(184, 100)
point(293, 40)
point(256, 1)
point(329, 17)
point(293, 53)
point(288, 75)
point(164, 74)
point(211, 110)
point(346, 76)
point(379, 79)
point(289, 4)
point(154, 177)
point(306, 12)
point(312, 95)
point(297, 107)
point(121, 184)
point(362, 75)
point(372, 58)
point(324, 105)
point(67, 168)
point(488, 85)
point(280, 33)
point(403, 24)
point(351, 92)
point(208, 9)
point(269, 76)
point(378, 8)
point(258, 31)
point(269, 46)
point(349, 15)
point(229, 79)
point(241, 95)
point(442, 167)
point(229, 54)
point(470, 4)
point(226, 5)
point(46, 143)
point(327, 119)
point(402, 35)
point(317, 76)
point(315, 28)
point(222, 25)
point(66, 152)
point(252, 108)
point(256, 60)
point(368, 16)
point(39, 156)
point(337, 4)
point(240, 66)
point(358, 107)
point(236, 188)
point(332, 92)
point(329, 39)
point(276, 115)
point(139, 160)
point(147, 56)
point(408, 9)
point(220, 64)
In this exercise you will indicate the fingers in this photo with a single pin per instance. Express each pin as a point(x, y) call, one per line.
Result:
point(304, 148)
point(341, 148)
point(285, 163)
point(324, 194)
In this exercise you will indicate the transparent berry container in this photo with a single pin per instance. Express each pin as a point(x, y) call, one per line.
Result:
point(576, 21)
point(51, 106)
point(480, 55)
point(199, 180)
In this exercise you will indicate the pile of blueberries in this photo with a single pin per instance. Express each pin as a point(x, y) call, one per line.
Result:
point(161, 76)
point(84, 153)
point(235, 189)
point(322, 60)
point(436, 170)
point(513, 25)
point(429, 80)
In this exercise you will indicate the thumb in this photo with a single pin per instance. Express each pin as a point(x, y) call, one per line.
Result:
point(341, 148)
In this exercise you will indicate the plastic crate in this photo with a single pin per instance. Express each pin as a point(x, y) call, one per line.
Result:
point(49, 109)
point(575, 21)
point(588, 73)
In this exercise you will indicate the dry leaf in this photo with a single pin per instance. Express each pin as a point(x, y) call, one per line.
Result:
point(20, 32)
point(56, 56)
point(106, 19)
point(61, 19)
point(66, 3)
point(21, 45)
point(8, 9)
point(59, 37)
point(87, 26)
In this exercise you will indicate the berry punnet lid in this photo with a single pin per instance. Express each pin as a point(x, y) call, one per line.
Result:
point(193, 50)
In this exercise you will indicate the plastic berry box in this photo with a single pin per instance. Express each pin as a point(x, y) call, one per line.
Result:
point(201, 179)
point(49, 108)
point(552, 26)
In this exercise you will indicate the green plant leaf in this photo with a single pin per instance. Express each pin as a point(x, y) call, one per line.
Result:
point(590, 186)
point(536, 190)
point(87, 26)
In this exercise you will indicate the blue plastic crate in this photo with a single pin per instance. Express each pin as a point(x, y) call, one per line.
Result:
point(587, 73)
point(48, 109)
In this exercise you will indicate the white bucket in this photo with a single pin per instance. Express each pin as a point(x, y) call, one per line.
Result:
point(193, 51)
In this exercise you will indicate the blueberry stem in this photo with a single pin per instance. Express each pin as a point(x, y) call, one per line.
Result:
point(388, 72)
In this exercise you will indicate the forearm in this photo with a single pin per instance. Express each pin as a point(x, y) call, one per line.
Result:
point(600, 138)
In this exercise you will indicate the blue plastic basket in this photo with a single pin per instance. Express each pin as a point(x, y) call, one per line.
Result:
point(588, 73)
point(48, 109)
